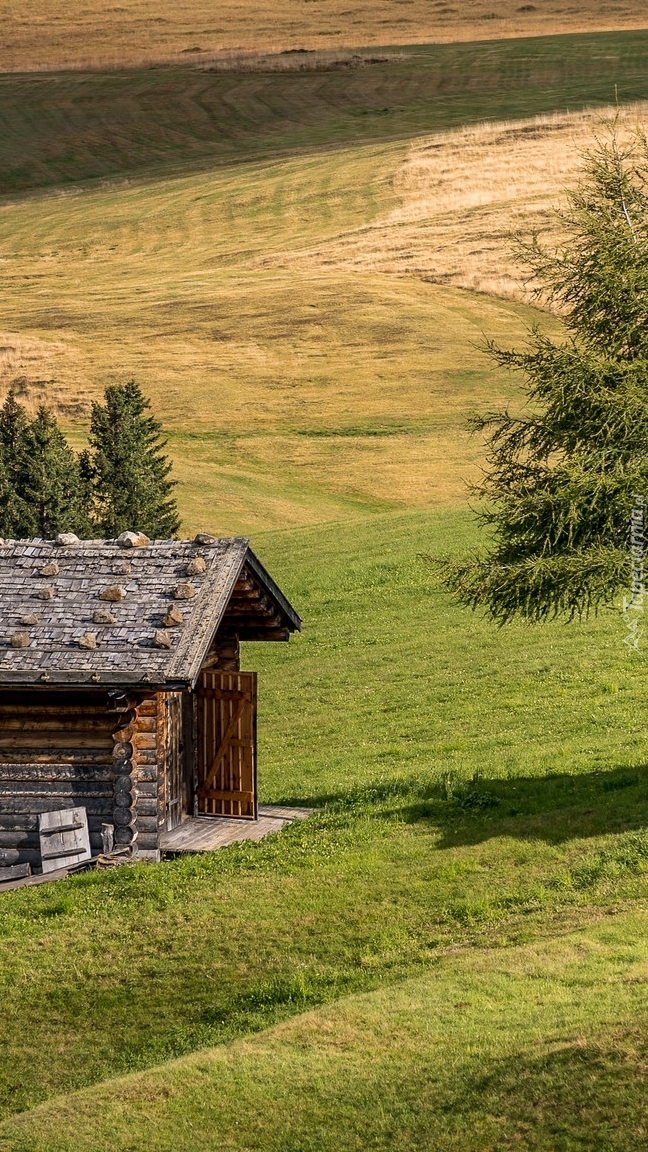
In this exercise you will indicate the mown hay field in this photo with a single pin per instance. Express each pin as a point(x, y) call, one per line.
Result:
point(291, 396)
point(73, 34)
point(466, 197)
point(65, 128)
point(300, 324)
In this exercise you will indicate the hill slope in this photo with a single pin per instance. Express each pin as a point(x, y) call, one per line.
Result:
point(63, 128)
point(281, 317)
point(73, 34)
point(374, 1071)
point(299, 394)
point(478, 788)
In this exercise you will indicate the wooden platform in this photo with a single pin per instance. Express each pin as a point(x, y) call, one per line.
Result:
point(207, 833)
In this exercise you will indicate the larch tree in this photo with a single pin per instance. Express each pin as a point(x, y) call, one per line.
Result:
point(127, 468)
point(564, 477)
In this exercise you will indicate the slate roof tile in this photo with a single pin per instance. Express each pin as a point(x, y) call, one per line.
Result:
point(125, 652)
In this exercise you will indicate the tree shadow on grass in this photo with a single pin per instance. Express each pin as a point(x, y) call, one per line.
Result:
point(553, 808)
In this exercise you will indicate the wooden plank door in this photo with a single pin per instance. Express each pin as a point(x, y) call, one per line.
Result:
point(227, 707)
point(175, 762)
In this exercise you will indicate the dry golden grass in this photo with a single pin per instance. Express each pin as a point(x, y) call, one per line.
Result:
point(292, 394)
point(53, 35)
point(283, 315)
point(464, 195)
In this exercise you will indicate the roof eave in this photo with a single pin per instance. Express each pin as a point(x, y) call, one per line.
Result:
point(191, 654)
point(293, 619)
point(93, 680)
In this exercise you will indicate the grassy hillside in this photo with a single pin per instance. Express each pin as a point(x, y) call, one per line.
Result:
point(479, 788)
point(220, 290)
point(68, 127)
point(73, 34)
point(280, 317)
point(293, 395)
point(548, 1053)
point(462, 195)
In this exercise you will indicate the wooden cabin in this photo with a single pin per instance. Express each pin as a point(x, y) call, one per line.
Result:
point(120, 684)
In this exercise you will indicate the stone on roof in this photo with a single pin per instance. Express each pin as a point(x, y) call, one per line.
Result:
point(60, 588)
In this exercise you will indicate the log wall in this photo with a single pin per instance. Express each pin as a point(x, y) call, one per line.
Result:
point(140, 752)
point(56, 751)
point(109, 755)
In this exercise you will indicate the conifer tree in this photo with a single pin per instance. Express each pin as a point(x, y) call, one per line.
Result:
point(127, 467)
point(13, 426)
point(8, 517)
point(15, 515)
point(564, 476)
point(49, 483)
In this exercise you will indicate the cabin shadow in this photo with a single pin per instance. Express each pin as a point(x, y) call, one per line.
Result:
point(554, 808)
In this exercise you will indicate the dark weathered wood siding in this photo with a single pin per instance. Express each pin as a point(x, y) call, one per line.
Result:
point(56, 751)
point(66, 749)
point(121, 758)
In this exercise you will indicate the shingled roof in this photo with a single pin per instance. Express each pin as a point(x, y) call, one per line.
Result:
point(106, 613)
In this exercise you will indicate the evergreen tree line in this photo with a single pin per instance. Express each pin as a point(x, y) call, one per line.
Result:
point(119, 483)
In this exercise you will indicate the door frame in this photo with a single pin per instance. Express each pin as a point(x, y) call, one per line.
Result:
point(174, 761)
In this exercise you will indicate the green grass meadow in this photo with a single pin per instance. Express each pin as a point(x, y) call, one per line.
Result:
point(484, 1051)
point(452, 952)
point(482, 810)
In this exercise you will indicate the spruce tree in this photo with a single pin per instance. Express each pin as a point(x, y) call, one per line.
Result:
point(16, 518)
point(8, 516)
point(49, 483)
point(127, 467)
point(564, 476)
point(13, 425)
